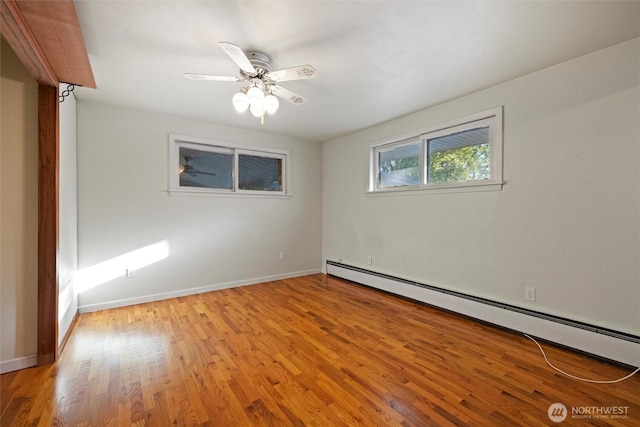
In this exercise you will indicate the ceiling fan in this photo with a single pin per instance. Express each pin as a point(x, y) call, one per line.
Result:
point(190, 170)
point(255, 68)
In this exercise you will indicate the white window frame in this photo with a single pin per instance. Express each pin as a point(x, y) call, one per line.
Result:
point(391, 146)
point(271, 155)
point(491, 118)
point(177, 141)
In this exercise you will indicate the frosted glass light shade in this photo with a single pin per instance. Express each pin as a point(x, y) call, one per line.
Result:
point(255, 94)
point(271, 104)
point(240, 102)
point(257, 108)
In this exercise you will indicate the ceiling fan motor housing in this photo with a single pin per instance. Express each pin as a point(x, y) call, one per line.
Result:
point(260, 61)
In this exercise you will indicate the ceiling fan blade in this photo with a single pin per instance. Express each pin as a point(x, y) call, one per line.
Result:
point(192, 76)
point(295, 73)
point(238, 56)
point(287, 95)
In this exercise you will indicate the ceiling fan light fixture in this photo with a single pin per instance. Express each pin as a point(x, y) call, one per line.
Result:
point(240, 102)
point(271, 104)
point(255, 69)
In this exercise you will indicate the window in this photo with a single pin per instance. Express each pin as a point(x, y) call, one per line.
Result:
point(466, 152)
point(399, 165)
point(260, 171)
point(207, 167)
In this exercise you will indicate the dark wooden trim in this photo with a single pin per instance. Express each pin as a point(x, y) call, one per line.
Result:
point(47, 39)
point(48, 212)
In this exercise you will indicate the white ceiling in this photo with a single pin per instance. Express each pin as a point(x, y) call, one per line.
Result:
point(376, 60)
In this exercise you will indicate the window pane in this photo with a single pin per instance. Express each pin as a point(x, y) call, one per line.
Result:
point(399, 166)
point(201, 168)
point(460, 156)
point(259, 173)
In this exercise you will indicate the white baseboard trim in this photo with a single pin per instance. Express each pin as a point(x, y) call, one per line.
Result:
point(28, 361)
point(623, 348)
point(87, 308)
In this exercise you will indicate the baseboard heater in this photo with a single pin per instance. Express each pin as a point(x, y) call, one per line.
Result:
point(602, 342)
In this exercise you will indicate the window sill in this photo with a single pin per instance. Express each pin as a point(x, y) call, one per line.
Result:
point(249, 195)
point(467, 187)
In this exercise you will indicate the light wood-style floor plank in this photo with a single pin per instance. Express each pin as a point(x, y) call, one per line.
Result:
point(309, 351)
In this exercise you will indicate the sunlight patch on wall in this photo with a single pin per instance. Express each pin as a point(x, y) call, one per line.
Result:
point(113, 268)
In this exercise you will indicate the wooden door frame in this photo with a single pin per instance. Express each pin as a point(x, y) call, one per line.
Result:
point(47, 39)
point(48, 222)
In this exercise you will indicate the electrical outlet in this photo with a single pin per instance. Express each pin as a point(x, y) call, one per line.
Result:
point(282, 255)
point(369, 260)
point(131, 274)
point(530, 293)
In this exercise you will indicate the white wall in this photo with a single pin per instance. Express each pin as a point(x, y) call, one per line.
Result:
point(18, 213)
point(68, 227)
point(567, 221)
point(214, 242)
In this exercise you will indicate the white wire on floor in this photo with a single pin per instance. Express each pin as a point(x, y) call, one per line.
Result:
point(578, 378)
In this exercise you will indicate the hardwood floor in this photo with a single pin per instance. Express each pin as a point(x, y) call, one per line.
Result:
point(310, 351)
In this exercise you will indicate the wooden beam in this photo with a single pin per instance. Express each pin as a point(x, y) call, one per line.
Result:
point(55, 25)
point(17, 31)
point(48, 220)
point(47, 38)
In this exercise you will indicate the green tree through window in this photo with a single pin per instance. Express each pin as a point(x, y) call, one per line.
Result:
point(461, 164)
